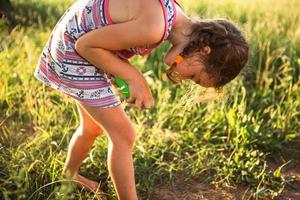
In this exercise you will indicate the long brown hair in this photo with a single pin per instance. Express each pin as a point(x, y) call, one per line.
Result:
point(229, 49)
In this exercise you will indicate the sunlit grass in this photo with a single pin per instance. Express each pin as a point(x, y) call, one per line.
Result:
point(227, 140)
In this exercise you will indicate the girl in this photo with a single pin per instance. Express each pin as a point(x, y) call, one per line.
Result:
point(94, 39)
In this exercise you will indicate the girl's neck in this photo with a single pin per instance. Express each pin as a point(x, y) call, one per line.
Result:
point(181, 29)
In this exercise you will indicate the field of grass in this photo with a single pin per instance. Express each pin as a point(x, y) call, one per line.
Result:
point(229, 141)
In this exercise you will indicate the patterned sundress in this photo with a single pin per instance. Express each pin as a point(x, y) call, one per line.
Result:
point(62, 68)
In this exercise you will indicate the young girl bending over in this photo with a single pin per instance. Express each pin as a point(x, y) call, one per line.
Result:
point(95, 38)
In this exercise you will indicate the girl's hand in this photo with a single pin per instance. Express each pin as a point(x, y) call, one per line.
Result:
point(140, 93)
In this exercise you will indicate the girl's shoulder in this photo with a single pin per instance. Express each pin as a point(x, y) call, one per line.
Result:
point(149, 12)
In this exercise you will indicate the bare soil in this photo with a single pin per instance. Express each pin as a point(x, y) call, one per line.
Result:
point(197, 189)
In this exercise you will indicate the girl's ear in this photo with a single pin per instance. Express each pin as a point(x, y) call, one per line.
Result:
point(206, 50)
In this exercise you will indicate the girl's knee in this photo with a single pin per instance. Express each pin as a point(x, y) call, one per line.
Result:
point(123, 136)
point(90, 132)
point(88, 125)
point(130, 139)
point(116, 123)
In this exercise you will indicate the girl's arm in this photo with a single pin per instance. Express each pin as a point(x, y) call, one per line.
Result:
point(98, 48)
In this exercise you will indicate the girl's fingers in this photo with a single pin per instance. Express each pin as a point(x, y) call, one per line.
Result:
point(131, 99)
point(138, 104)
point(149, 103)
point(135, 102)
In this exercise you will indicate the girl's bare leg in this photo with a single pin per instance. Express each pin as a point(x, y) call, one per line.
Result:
point(121, 140)
point(79, 146)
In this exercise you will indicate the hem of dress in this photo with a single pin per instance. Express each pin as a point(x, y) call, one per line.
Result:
point(97, 106)
point(57, 87)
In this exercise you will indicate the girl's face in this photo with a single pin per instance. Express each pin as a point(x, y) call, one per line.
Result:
point(190, 68)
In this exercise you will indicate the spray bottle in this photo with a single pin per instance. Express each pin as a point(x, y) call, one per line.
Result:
point(123, 86)
point(172, 75)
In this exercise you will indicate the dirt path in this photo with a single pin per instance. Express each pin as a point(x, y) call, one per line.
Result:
point(193, 190)
point(197, 189)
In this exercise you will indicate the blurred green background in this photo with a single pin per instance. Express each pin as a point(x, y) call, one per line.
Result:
point(246, 137)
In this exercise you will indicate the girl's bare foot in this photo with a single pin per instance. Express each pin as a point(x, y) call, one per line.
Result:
point(90, 185)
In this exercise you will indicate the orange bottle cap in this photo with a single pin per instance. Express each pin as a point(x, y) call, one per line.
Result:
point(178, 59)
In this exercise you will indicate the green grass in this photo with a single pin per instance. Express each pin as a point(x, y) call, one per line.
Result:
point(228, 140)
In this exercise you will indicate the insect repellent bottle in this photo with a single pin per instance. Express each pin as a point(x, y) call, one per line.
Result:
point(123, 86)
